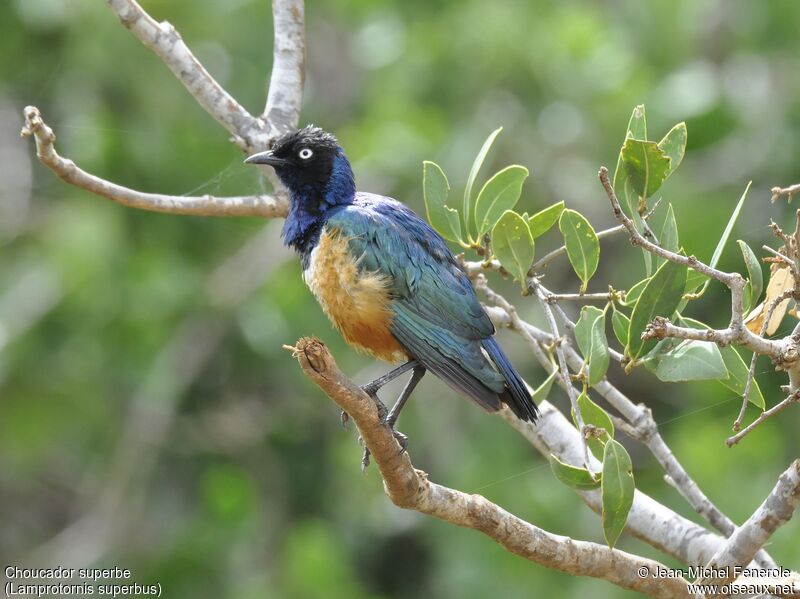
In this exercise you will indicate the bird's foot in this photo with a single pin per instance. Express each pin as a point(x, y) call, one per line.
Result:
point(401, 439)
point(373, 393)
point(372, 388)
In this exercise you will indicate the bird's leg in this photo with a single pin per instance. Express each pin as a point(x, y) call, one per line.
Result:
point(391, 418)
point(373, 387)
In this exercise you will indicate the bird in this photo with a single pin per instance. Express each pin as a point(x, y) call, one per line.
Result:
point(388, 281)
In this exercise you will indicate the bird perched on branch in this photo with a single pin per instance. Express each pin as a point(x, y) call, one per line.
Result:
point(387, 280)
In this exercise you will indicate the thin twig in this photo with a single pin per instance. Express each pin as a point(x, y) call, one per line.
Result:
point(562, 366)
point(783, 259)
point(544, 260)
point(765, 415)
point(736, 331)
point(790, 191)
point(751, 372)
point(559, 297)
point(265, 206)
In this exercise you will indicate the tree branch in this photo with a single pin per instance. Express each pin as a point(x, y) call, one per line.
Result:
point(790, 191)
point(639, 416)
point(285, 95)
point(250, 133)
point(411, 489)
point(782, 351)
point(262, 205)
point(765, 415)
point(777, 510)
point(544, 260)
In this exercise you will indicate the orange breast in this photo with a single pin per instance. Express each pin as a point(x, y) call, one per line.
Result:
point(357, 303)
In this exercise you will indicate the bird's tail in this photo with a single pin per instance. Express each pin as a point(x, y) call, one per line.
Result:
point(516, 394)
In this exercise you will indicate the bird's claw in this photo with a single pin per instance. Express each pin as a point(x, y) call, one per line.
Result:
point(365, 460)
point(401, 439)
point(373, 393)
point(370, 389)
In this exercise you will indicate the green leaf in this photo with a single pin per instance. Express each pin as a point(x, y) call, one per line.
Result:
point(724, 239)
point(434, 189)
point(669, 233)
point(646, 166)
point(498, 194)
point(691, 360)
point(583, 248)
point(617, 490)
point(674, 145)
point(632, 295)
point(637, 129)
point(512, 245)
point(542, 391)
point(637, 125)
point(754, 273)
point(541, 222)
point(590, 333)
point(594, 415)
point(660, 297)
point(738, 369)
point(620, 323)
point(473, 174)
point(575, 478)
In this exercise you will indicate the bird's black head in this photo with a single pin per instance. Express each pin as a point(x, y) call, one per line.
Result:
point(313, 167)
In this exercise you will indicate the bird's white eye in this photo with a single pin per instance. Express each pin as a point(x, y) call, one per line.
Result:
point(305, 153)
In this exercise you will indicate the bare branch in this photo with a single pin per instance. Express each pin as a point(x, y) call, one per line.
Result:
point(285, 96)
point(579, 297)
point(544, 260)
point(563, 369)
point(790, 191)
point(249, 132)
point(262, 205)
point(411, 489)
point(777, 510)
point(765, 415)
point(751, 372)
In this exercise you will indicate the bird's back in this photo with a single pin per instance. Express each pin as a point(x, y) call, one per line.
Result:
point(391, 285)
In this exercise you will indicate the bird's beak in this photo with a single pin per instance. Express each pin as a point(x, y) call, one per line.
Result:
point(266, 158)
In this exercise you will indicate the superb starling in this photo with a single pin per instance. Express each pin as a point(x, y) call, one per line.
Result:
point(387, 280)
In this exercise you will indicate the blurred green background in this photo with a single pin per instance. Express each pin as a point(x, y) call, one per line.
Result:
point(148, 415)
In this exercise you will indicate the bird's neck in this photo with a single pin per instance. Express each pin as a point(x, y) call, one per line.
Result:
point(303, 225)
point(311, 206)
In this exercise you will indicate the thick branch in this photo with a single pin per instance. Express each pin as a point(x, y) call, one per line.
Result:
point(285, 96)
point(410, 488)
point(777, 510)
point(162, 38)
point(639, 416)
point(262, 205)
